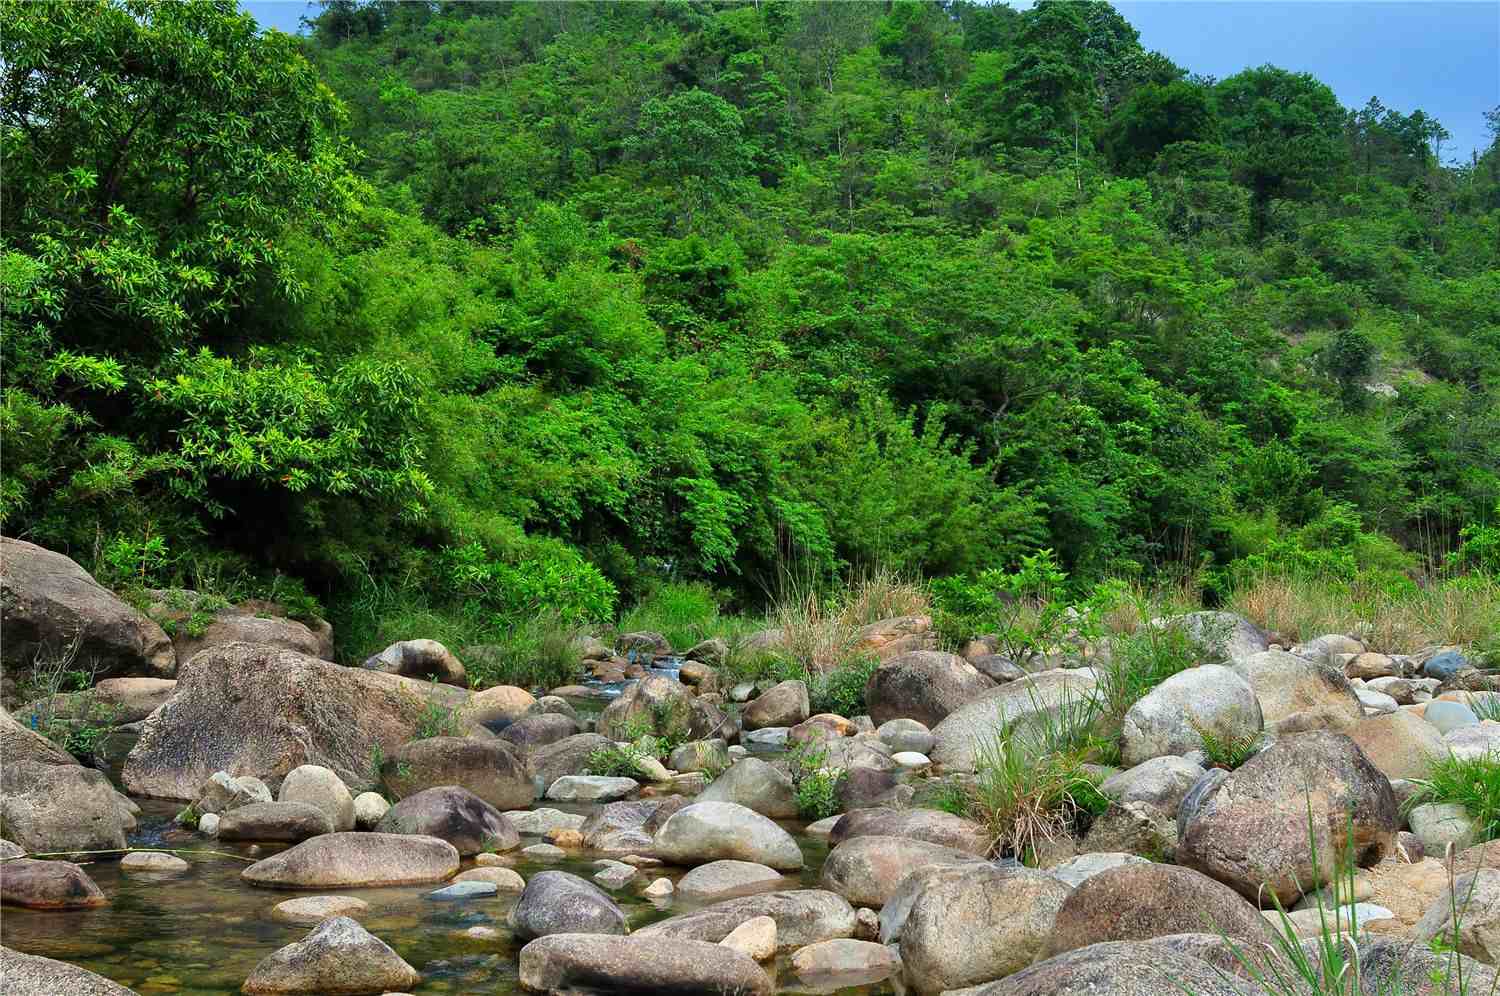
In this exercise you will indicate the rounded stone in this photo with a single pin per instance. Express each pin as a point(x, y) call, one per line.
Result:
point(1448, 716)
point(707, 831)
point(725, 879)
point(558, 902)
point(315, 785)
point(152, 861)
point(310, 910)
point(339, 956)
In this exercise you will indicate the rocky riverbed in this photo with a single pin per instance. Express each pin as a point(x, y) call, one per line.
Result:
point(253, 817)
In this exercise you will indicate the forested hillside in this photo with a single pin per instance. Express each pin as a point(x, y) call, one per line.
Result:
point(520, 308)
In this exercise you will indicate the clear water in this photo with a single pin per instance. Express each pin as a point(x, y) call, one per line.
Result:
point(201, 932)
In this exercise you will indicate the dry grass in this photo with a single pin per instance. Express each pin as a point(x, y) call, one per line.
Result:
point(1463, 612)
point(822, 627)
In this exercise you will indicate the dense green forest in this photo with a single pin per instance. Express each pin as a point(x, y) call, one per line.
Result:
point(513, 308)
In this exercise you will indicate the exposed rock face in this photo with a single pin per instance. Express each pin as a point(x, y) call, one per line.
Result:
point(866, 870)
point(263, 711)
point(488, 768)
point(1141, 900)
point(1169, 718)
point(48, 885)
point(58, 807)
point(48, 604)
point(930, 825)
point(924, 685)
point(1119, 968)
point(1297, 695)
point(557, 902)
point(639, 966)
point(32, 975)
point(425, 660)
point(666, 705)
point(21, 743)
point(784, 704)
point(1401, 744)
point(756, 785)
point(349, 860)
point(1251, 832)
point(708, 831)
point(1477, 896)
point(978, 924)
point(959, 738)
point(287, 822)
point(453, 814)
point(803, 917)
point(338, 957)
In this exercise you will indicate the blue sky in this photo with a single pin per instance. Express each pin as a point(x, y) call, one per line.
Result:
point(1438, 55)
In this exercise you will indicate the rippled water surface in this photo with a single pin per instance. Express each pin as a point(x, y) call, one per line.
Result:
point(202, 931)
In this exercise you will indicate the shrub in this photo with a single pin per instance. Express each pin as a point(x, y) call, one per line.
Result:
point(684, 613)
point(814, 784)
point(842, 690)
point(1023, 609)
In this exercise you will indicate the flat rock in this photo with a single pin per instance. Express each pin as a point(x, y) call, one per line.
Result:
point(1119, 968)
point(865, 870)
point(153, 861)
point(503, 879)
point(536, 822)
point(727, 879)
point(591, 788)
point(308, 911)
point(931, 825)
point(48, 885)
point(466, 889)
point(639, 966)
point(346, 860)
point(277, 822)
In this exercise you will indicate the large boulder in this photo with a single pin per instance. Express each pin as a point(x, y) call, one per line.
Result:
point(931, 825)
point(48, 885)
point(1252, 830)
point(783, 704)
point(538, 730)
point(1401, 743)
point(978, 924)
point(1140, 900)
point(1024, 705)
point(315, 785)
point(1120, 968)
point(262, 711)
point(557, 902)
point(51, 608)
point(221, 793)
point(1171, 718)
point(21, 743)
point(709, 831)
point(568, 756)
point(498, 707)
point(58, 807)
point(337, 957)
point(454, 814)
point(866, 870)
point(756, 785)
point(639, 966)
point(924, 685)
point(282, 822)
point(1224, 636)
point(659, 705)
point(349, 860)
point(33, 975)
point(1297, 695)
point(488, 768)
point(1476, 897)
point(887, 638)
point(623, 827)
point(425, 660)
point(803, 917)
point(1160, 783)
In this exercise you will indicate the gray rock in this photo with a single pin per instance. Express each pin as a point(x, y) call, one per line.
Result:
point(930, 825)
point(1022, 704)
point(756, 785)
point(712, 651)
point(58, 807)
point(557, 902)
point(1119, 968)
point(348, 860)
point(538, 730)
point(539, 821)
point(772, 737)
point(1167, 719)
point(925, 685)
point(700, 755)
point(1449, 716)
point(726, 879)
point(1076, 871)
point(866, 870)
point(591, 788)
point(153, 862)
point(666, 706)
point(615, 875)
point(708, 831)
point(1437, 826)
point(21, 743)
point(784, 704)
point(282, 822)
point(339, 956)
point(639, 966)
point(468, 889)
point(1470, 742)
point(1374, 703)
point(1297, 695)
point(425, 660)
point(978, 924)
point(844, 957)
point(803, 917)
point(453, 814)
point(1268, 801)
point(222, 792)
point(309, 911)
point(1476, 896)
point(906, 734)
point(33, 975)
point(1323, 649)
point(1225, 637)
point(48, 885)
point(1417, 970)
point(997, 668)
point(490, 769)
point(569, 756)
point(1161, 783)
point(317, 786)
point(624, 827)
point(646, 643)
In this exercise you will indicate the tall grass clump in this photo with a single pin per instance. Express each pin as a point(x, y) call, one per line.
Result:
point(1140, 659)
point(1471, 782)
point(820, 624)
point(685, 613)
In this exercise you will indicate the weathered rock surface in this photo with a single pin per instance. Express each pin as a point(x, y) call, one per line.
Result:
point(666, 705)
point(338, 957)
point(425, 660)
point(783, 704)
point(348, 860)
point(1167, 720)
point(709, 831)
point(978, 924)
point(1477, 898)
point(639, 966)
point(591, 788)
point(453, 814)
point(58, 807)
point(317, 786)
point(308, 911)
point(569, 756)
point(558, 902)
point(21, 743)
point(846, 956)
point(220, 793)
point(1297, 695)
point(263, 711)
point(1119, 968)
point(369, 809)
point(924, 685)
point(496, 708)
point(48, 885)
point(284, 822)
point(33, 975)
point(931, 825)
point(756, 785)
point(727, 879)
point(488, 768)
point(803, 917)
point(865, 870)
point(1401, 744)
point(1224, 636)
point(905, 734)
point(1251, 832)
point(113, 701)
point(153, 862)
point(538, 730)
point(48, 604)
point(960, 737)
